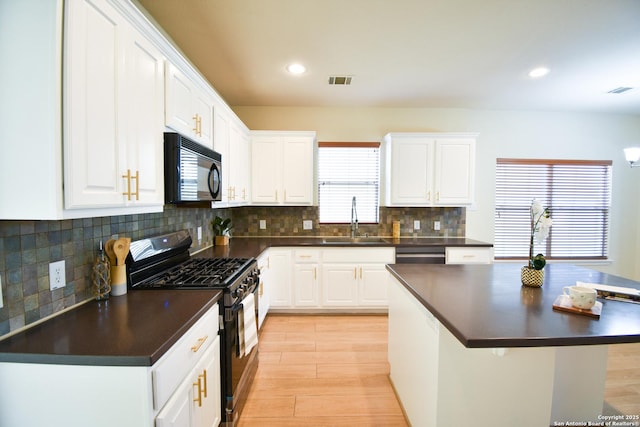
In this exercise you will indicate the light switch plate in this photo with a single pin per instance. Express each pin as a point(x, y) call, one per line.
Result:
point(436, 225)
point(1, 299)
point(263, 224)
point(57, 275)
point(199, 234)
point(307, 224)
point(416, 225)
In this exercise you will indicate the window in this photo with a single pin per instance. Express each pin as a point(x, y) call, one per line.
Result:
point(345, 171)
point(578, 195)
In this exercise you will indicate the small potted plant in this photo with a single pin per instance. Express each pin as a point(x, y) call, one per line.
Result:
point(221, 228)
point(533, 274)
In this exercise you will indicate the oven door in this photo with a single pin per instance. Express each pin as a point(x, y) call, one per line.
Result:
point(239, 371)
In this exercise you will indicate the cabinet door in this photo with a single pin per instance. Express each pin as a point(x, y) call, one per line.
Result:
point(209, 412)
point(203, 113)
point(297, 170)
point(264, 302)
point(305, 285)
point(144, 109)
point(280, 274)
point(197, 401)
point(94, 82)
point(411, 172)
point(179, 111)
point(454, 172)
point(266, 170)
point(221, 145)
point(240, 169)
point(177, 412)
point(339, 285)
point(373, 285)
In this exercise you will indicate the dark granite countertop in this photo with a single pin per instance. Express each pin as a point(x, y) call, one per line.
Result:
point(246, 247)
point(486, 306)
point(134, 329)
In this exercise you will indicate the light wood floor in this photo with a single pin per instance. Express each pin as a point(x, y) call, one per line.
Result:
point(622, 389)
point(322, 371)
point(333, 371)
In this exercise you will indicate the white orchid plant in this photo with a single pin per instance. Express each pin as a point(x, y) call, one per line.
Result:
point(540, 225)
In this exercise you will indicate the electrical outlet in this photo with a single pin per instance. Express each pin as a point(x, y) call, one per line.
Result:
point(307, 224)
point(199, 234)
point(416, 225)
point(436, 225)
point(57, 275)
point(263, 224)
point(1, 299)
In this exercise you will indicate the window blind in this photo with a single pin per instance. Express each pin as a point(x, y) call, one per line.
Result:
point(578, 195)
point(347, 170)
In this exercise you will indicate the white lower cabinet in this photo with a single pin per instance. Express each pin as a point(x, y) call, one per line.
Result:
point(373, 285)
point(280, 277)
point(356, 277)
point(305, 280)
point(339, 285)
point(306, 288)
point(164, 394)
point(329, 278)
point(197, 401)
point(264, 290)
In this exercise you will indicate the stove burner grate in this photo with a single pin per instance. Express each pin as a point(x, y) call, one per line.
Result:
point(205, 272)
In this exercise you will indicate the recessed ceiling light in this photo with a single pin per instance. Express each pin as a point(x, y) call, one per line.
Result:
point(296, 68)
point(538, 72)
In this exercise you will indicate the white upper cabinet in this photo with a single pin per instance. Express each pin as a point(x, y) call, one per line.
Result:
point(188, 109)
point(231, 140)
point(282, 167)
point(240, 163)
point(113, 101)
point(430, 169)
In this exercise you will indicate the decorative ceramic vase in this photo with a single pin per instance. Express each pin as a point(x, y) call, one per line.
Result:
point(532, 277)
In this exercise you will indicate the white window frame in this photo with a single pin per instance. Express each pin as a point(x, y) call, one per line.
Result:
point(347, 175)
point(578, 196)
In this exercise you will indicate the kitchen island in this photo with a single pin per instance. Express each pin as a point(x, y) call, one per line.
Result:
point(468, 344)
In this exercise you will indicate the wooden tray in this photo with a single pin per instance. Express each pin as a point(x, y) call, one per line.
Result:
point(563, 303)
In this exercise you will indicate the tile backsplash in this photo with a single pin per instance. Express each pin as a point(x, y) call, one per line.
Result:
point(287, 221)
point(27, 247)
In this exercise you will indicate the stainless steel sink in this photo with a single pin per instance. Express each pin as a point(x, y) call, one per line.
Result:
point(353, 240)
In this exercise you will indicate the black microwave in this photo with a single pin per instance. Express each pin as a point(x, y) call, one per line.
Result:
point(192, 172)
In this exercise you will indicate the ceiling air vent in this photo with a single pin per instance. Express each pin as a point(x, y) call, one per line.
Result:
point(621, 89)
point(340, 80)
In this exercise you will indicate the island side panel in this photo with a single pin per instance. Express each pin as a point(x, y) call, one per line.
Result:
point(413, 355)
point(580, 376)
point(494, 387)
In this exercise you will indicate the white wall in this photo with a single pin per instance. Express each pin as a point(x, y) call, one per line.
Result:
point(525, 134)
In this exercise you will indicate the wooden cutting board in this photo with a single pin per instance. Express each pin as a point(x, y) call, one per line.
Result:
point(563, 303)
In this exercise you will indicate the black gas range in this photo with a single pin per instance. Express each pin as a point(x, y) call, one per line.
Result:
point(164, 262)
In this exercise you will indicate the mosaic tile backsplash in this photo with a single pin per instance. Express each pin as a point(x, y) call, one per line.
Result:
point(27, 247)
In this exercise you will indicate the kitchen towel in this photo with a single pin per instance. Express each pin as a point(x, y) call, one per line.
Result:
point(250, 328)
point(240, 331)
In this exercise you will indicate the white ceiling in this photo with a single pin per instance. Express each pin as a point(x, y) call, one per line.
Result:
point(413, 53)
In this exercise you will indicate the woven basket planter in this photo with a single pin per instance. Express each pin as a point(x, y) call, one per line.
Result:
point(532, 277)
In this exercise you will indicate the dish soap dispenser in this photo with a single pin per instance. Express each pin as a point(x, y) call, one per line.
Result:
point(101, 276)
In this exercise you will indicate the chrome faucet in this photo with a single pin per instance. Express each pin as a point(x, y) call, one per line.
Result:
point(354, 218)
